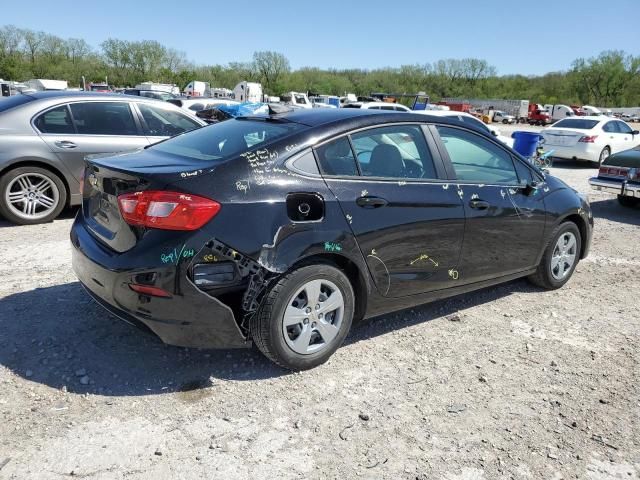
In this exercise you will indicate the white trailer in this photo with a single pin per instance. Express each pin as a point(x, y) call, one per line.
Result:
point(248, 92)
point(159, 87)
point(42, 84)
point(198, 89)
point(558, 112)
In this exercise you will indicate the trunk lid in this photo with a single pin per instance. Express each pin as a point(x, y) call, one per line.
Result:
point(563, 137)
point(107, 177)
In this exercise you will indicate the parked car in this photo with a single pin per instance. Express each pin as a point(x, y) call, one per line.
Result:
point(589, 138)
point(45, 136)
point(620, 174)
point(157, 94)
point(284, 229)
point(468, 118)
point(394, 107)
point(198, 104)
point(499, 116)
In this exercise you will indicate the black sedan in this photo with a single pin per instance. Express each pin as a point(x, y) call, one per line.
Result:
point(284, 229)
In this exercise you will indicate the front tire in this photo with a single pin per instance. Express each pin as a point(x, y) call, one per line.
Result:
point(628, 201)
point(305, 317)
point(560, 257)
point(31, 195)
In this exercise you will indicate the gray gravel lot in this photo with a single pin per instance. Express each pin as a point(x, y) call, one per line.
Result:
point(509, 382)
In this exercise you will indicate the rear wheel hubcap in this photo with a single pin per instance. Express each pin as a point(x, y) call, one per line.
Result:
point(32, 196)
point(313, 317)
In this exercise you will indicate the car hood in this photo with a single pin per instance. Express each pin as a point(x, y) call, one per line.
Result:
point(628, 158)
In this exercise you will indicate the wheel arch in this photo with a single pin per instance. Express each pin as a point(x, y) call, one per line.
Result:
point(44, 165)
point(582, 228)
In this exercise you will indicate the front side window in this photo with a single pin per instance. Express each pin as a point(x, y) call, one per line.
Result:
point(162, 122)
point(624, 128)
point(394, 152)
point(103, 118)
point(56, 120)
point(476, 159)
point(336, 158)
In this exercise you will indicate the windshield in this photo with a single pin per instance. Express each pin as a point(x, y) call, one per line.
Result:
point(226, 139)
point(576, 123)
point(16, 100)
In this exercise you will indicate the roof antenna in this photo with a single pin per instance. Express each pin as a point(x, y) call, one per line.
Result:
point(275, 109)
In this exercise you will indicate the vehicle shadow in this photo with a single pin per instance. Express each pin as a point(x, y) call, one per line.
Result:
point(66, 214)
point(573, 164)
point(59, 337)
point(610, 209)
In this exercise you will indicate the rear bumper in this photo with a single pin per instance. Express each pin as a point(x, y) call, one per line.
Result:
point(582, 151)
point(615, 187)
point(190, 318)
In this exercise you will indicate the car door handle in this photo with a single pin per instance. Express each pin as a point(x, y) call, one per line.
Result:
point(65, 144)
point(479, 204)
point(371, 202)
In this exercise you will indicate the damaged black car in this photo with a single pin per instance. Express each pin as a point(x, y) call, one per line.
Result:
point(284, 229)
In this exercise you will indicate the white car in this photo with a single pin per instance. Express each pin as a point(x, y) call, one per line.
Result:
point(591, 138)
point(468, 118)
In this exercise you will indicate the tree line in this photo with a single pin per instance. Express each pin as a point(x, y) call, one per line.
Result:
point(610, 79)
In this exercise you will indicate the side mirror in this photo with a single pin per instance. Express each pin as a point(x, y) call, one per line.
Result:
point(635, 132)
point(494, 133)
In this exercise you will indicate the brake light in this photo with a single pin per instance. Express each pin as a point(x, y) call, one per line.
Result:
point(167, 210)
point(149, 290)
point(588, 139)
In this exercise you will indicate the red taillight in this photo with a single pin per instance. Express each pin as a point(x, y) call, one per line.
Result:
point(167, 210)
point(149, 290)
point(588, 139)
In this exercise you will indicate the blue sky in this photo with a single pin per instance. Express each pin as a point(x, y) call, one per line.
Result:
point(528, 37)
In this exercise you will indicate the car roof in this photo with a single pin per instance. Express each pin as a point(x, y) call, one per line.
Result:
point(348, 118)
point(51, 94)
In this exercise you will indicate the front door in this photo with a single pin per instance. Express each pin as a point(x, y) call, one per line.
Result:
point(504, 221)
point(408, 223)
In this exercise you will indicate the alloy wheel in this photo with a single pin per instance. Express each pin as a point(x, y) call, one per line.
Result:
point(564, 255)
point(32, 196)
point(313, 317)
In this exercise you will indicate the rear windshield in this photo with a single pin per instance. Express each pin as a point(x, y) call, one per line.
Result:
point(576, 123)
point(16, 100)
point(226, 139)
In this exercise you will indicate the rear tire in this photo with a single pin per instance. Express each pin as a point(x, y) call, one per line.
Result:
point(628, 201)
point(560, 257)
point(31, 195)
point(305, 317)
point(604, 154)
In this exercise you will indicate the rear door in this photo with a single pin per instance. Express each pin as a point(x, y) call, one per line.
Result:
point(504, 221)
point(408, 222)
point(625, 137)
point(78, 129)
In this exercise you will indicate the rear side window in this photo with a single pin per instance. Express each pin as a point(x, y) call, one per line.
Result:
point(103, 118)
point(163, 122)
point(398, 151)
point(476, 159)
point(56, 120)
point(610, 127)
point(336, 158)
point(227, 139)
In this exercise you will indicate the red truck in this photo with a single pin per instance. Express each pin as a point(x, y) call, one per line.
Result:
point(538, 115)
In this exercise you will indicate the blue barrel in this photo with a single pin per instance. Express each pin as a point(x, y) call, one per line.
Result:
point(525, 143)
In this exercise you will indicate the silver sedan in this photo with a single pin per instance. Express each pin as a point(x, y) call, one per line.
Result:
point(45, 136)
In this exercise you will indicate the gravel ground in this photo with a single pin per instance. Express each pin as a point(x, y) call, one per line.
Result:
point(507, 382)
